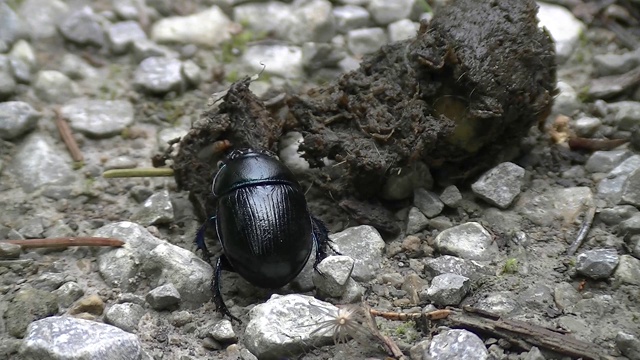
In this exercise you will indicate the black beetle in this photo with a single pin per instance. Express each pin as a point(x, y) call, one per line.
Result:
point(262, 221)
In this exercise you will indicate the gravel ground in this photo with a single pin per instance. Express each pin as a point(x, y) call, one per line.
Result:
point(128, 76)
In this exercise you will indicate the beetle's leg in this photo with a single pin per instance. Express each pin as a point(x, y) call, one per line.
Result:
point(200, 243)
point(221, 264)
point(321, 239)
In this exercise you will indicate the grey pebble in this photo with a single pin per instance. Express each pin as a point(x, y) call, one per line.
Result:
point(163, 297)
point(140, 192)
point(605, 161)
point(468, 346)
point(191, 73)
point(156, 260)
point(597, 264)
point(385, 12)
point(416, 221)
point(631, 189)
point(159, 75)
point(12, 27)
point(125, 316)
point(447, 264)
point(75, 67)
point(43, 16)
point(180, 318)
point(83, 339)
point(157, 209)
point(634, 245)
point(10, 251)
point(167, 134)
point(428, 202)
point(7, 85)
point(310, 20)
point(145, 48)
point(500, 185)
point(21, 71)
point(469, 241)
point(546, 207)
point(126, 9)
point(131, 298)
point(536, 297)
point(567, 101)
point(628, 344)
point(616, 214)
point(402, 30)
point(319, 56)
point(630, 226)
point(614, 64)
point(49, 281)
point(223, 332)
point(38, 163)
point(610, 188)
point(207, 28)
point(16, 119)
point(349, 17)
point(448, 289)
point(451, 196)
point(120, 162)
point(28, 305)
point(565, 295)
point(332, 275)
point(627, 114)
point(280, 59)
point(365, 245)
point(68, 293)
point(286, 322)
point(98, 118)
point(83, 27)
point(366, 40)
point(121, 36)
point(628, 270)
point(502, 303)
point(54, 87)
point(586, 126)
point(263, 16)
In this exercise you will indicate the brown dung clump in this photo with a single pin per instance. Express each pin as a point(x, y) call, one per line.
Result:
point(457, 97)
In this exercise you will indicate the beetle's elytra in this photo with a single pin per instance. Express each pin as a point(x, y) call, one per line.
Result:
point(262, 221)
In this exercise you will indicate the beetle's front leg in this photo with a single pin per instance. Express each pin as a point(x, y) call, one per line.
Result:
point(221, 264)
point(321, 239)
point(200, 243)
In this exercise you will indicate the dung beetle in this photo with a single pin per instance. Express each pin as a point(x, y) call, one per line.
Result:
point(262, 222)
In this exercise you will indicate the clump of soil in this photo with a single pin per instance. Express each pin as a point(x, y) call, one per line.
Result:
point(467, 87)
point(457, 96)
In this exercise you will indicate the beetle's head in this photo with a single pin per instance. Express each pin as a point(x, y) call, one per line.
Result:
point(244, 152)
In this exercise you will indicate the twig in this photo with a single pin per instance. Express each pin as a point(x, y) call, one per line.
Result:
point(67, 137)
point(519, 333)
point(389, 344)
point(398, 316)
point(584, 229)
point(65, 242)
point(579, 143)
point(138, 172)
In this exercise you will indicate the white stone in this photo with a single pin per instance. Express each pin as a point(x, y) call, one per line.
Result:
point(402, 30)
point(207, 28)
point(281, 60)
point(565, 29)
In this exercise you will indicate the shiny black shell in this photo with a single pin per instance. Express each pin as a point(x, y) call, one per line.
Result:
point(262, 219)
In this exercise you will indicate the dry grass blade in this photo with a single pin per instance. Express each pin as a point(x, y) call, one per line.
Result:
point(65, 242)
